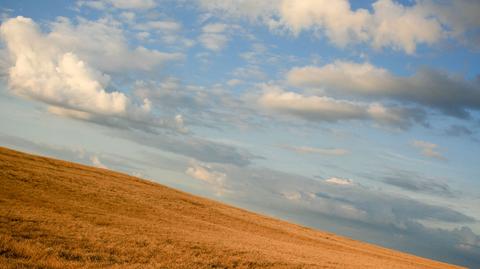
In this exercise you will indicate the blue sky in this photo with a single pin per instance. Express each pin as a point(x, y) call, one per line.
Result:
point(358, 118)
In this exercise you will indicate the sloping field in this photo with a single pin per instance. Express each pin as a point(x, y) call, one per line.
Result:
point(56, 214)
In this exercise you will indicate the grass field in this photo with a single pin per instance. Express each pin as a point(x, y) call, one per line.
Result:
point(57, 214)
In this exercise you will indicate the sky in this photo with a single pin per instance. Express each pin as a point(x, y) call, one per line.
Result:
point(355, 117)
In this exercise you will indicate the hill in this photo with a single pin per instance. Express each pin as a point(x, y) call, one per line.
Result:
point(57, 214)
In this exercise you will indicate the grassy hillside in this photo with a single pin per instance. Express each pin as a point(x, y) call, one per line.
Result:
point(56, 214)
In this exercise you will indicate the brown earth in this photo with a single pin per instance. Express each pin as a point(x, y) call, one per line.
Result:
point(57, 214)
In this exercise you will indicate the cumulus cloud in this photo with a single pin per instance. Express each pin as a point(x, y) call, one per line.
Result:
point(339, 22)
point(44, 72)
point(388, 24)
point(42, 67)
point(323, 108)
point(450, 94)
point(428, 149)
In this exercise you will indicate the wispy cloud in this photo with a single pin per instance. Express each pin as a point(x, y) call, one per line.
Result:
point(339, 181)
point(214, 36)
point(428, 149)
point(120, 4)
point(314, 150)
point(414, 182)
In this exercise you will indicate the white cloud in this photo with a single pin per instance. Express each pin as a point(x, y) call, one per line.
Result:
point(215, 28)
point(448, 93)
point(215, 42)
point(322, 108)
point(404, 27)
point(339, 181)
point(311, 107)
point(65, 67)
point(342, 76)
point(341, 25)
point(205, 173)
point(43, 71)
point(214, 36)
point(428, 149)
point(103, 44)
point(97, 163)
point(388, 24)
point(180, 124)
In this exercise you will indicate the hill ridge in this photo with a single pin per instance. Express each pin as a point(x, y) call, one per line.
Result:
point(59, 214)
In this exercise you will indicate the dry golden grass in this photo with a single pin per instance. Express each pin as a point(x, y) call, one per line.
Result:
point(56, 214)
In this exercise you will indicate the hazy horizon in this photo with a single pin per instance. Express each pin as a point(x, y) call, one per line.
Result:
point(356, 117)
